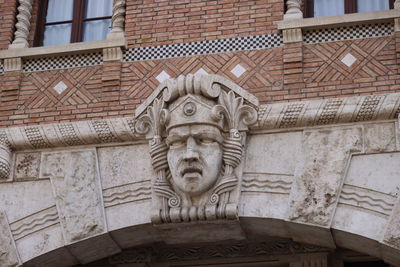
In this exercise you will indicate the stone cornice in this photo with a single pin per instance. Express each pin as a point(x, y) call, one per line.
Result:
point(328, 111)
point(343, 20)
point(272, 116)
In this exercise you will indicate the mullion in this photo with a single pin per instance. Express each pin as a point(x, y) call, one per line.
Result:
point(76, 34)
point(39, 34)
point(350, 6)
point(308, 8)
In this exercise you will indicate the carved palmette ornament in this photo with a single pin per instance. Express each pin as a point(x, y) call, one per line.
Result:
point(228, 110)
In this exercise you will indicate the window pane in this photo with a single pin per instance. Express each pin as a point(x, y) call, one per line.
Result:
point(96, 30)
point(329, 7)
point(59, 10)
point(98, 8)
point(57, 34)
point(372, 5)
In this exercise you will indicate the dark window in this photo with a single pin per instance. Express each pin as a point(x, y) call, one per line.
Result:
point(70, 21)
point(319, 8)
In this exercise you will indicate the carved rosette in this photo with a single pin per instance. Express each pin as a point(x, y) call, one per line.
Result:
point(24, 23)
point(228, 109)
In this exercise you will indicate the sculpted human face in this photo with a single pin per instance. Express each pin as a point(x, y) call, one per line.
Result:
point(194, 157)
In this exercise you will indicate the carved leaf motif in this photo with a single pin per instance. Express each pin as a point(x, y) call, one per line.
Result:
point(155, 119)
point(234, 111)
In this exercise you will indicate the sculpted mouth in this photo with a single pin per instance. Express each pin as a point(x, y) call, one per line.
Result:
point(191, 169)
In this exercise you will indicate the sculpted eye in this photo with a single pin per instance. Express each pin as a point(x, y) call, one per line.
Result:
point(176, 143)
point(206, 140)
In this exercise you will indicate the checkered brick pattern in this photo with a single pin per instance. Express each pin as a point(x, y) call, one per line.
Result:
point(1, 67)
point(203, 47)
point(348, 33)
point(62, 62)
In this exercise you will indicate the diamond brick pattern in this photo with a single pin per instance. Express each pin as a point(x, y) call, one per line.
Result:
point(348, 33)
point(62, 62)
point(204, 47)
point(81, 83)
point(323, 62)
point(263, 76)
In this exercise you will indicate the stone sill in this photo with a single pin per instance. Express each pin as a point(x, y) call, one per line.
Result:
point(342, 20)
point(56, 50)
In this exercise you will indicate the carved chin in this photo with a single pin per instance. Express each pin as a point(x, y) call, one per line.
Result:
point(192, 182)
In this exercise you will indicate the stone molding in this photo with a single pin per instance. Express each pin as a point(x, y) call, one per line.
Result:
point(338, 21)
point(292, 36)
point(270, 117)
point(57, 50)
point(12, 64)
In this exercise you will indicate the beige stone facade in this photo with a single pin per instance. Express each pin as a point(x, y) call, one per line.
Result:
point(201, 133)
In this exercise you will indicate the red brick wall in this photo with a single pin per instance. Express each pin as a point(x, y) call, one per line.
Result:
point(292, 72)
point(7, 20)
point(151, 22)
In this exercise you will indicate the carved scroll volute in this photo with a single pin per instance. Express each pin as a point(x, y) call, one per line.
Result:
point(153, 123)
point(236, 114)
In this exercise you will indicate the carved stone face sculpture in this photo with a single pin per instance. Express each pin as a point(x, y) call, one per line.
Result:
point(194, 157)
point(195, 147)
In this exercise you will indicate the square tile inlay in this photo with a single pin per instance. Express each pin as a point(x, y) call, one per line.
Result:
point(60, 87)
point(238, 70)
point(201, 71)
point(162, 76)
point(349, 60)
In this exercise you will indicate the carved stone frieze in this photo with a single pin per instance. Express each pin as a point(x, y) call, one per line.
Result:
point(207, 252)
point(197, 127)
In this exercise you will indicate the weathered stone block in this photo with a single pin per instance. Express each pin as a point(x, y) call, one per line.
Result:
point(124, 165)
point(379, 137)
point(76, 185)
point(319, 176)
point(8, 251)
point(26, 166)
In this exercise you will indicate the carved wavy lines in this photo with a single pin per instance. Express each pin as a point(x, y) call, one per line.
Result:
point(127, 193)
point(367, 199)
point(34, 222)
point(267, 183)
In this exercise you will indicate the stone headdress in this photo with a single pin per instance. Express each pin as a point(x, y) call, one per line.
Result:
point(205, 99)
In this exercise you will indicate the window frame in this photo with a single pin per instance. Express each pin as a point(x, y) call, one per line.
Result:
point(350, 6)
point(77, 22)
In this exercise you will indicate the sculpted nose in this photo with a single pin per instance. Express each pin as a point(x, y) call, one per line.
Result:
point(191, 151)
